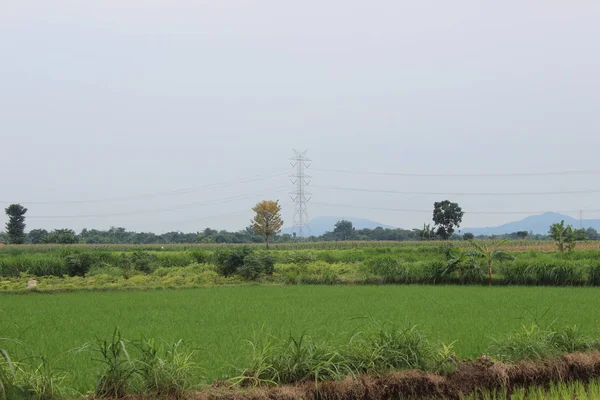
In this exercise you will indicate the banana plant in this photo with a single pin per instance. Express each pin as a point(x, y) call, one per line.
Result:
point(488, 254)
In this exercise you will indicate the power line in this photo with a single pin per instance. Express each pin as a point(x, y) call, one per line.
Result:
point(244, 211)
point(587, 191)
point(460, 175)
point(179, 207)
point(430, 211)
point(219, 185)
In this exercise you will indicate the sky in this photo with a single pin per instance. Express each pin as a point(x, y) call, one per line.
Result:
point(161, 115)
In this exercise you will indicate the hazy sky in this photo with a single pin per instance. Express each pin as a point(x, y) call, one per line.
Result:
point(129, 98)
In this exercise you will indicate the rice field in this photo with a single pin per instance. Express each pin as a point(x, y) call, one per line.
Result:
point(217, 321)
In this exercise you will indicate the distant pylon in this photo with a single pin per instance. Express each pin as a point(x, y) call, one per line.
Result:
point(299, 196)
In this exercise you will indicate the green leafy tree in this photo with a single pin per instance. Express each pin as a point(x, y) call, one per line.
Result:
point(15, 227)
point(61, 236)
point(522, 234)
point(343, 230)
point(468, 236)
point(446, 216)
point(592, 234)
point(488, 254)
point(37, 236)
point(267, 219)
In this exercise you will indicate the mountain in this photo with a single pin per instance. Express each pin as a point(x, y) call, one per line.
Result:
point(320, 225)
point(538, 224)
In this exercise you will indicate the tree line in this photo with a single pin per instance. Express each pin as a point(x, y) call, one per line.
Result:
point(266, 227)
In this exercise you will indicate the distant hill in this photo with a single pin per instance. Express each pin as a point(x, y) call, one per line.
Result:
point(537, 224)
point(320, 225)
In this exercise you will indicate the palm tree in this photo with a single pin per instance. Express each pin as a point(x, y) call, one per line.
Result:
point(489, 253)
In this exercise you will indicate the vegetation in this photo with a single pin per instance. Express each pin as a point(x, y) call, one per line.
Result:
point(79, 267)
point(446, 216)
point(15, 227)
point(429, 330)
point(565, 236)
point(267, 219)
point(489, 253)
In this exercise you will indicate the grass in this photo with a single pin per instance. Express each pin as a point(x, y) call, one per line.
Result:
point(218, 321)
point(556, 391)
point(71, 268)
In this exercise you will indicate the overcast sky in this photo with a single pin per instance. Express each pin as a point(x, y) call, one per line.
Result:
point(115, 101)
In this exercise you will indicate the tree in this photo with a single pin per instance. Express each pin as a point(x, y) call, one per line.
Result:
point(564, 236)
point(15, 227)
point(522, 234)
point(343, 230)
point(592, 234)
point(61, 236)
point(37, 236)
point(489, 253)
point(446, 216)
point(267, 219)
point(468, 236)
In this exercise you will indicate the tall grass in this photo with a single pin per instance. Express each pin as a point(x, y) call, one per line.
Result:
point(165, 370)
point(381, 348)
point(535, 343)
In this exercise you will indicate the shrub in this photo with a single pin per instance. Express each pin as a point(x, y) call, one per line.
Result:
point(78, 264)
point(387, 267)
point(252, 267)
point(174, 259)
point(244, 262)
point(228, 262)
point(255, 265)
point(300, 258)
point(201, 257)
point(268, 262)
point(137, 261)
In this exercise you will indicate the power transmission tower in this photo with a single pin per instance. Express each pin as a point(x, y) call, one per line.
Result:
point(300, 179)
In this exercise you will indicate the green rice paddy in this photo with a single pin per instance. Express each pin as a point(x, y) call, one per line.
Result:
point(217, 321)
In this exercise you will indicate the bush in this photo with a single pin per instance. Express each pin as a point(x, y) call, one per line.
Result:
point(300, 258)
point(252, 267)
point(201, 257)
point(389, 268)
point(78, 264)
point(228, 262)
point(245, 263)
point(138, 261)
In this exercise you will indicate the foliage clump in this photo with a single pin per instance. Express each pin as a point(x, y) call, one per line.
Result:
point(244, 262)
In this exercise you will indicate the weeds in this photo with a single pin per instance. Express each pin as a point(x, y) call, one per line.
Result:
point(119, 369)
point(165, 369)
point(534, 343)
point(299, 359)
point(40, 380)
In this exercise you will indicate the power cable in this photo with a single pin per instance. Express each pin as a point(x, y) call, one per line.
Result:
point(179, 207)
point(158, 194)
point(430, 211)
point(461, 175)
point(586, 191)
